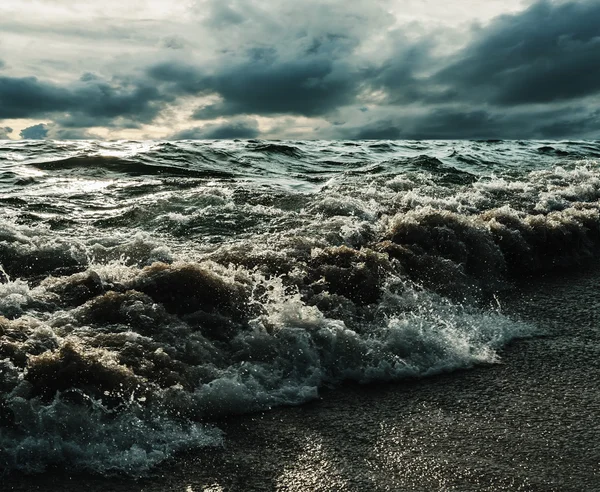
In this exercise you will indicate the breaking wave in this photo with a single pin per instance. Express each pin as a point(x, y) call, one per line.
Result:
point(141, 305)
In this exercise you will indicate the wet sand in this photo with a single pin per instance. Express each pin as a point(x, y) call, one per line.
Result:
point(531, 423)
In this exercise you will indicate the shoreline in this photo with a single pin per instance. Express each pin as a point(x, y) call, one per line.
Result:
point(531, 422)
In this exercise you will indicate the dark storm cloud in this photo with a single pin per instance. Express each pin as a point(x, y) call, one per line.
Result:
point(451, 124)
point(436, 124)
point(382, 130)
point(534, 74)
point(307, 87)
point(25, 97)
point(448, 123)
point(347, 66)
point(245, 128)
point(279, 57)
point(398, 76)
point(180, 78)
point(89, 99)
point(544, 54)
point(267, 85)
point(573, 124)
point(547, 53)
point(35, 132)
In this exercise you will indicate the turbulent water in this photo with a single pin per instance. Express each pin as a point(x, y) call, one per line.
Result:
point(149, 288)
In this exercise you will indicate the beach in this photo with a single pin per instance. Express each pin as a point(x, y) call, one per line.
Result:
point(530, 423)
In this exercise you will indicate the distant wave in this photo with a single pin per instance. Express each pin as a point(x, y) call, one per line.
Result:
point(274, 148)
point(131, 167)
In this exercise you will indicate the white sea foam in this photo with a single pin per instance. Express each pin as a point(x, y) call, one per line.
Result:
point(134, 315)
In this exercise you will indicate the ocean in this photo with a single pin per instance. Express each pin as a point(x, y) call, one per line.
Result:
point(300, 315)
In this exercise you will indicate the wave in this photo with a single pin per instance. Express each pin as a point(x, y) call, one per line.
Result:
point(131, 167)
point(150, 356)
point(547, 149)
point(275, 148)
point(453, 254)
point(135, 312)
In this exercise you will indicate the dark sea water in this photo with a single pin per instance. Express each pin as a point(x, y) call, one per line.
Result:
point(152, 293)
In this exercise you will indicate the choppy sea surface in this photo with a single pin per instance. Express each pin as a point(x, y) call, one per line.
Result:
point(150, 288)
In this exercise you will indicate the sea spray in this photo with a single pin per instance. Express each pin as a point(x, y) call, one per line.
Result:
point(144, 296)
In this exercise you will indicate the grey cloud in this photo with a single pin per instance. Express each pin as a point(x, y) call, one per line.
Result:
point(577, 124)
point(532, 73)
point(58, 133)
point(280, 57)
point(547, 53)
point(35, 132)
point(89, 99)
point(223, 14)
point(454, 123)
point(293, 27)
point(84, 31)
point(399, 75)
point(381, 130)
point(5, 132)
point(180, 78)
point(173, 42)
point(309, 87)
point(265, 84)
point(242, 128)
point(26, 97)
point(44, 131)
point(543, 54)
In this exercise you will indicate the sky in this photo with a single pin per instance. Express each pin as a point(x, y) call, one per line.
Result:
point(291, 69)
